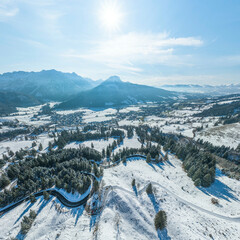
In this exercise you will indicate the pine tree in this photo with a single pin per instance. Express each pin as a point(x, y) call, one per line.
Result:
point(46, 195)
point(95, 186)
point(207, 180)
point(11, 153)
point(32, 198)
point(103, 153)
point(40, 148)
point(149, 189)
point(133, 182)
point(160, 220)
point(166, 156)
point(49, 146)
point(148, 158)
point(197, 182)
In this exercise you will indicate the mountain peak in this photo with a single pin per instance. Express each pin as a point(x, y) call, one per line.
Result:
point(114, 79)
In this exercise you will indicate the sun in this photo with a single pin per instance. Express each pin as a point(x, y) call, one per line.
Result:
point(110, 15)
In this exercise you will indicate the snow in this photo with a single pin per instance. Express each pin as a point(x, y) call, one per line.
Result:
point(129, 109)
point(228, 135)
point(229, 101)
point(128, 122)
point(129, 142)
point(187, 218)
point(99, 116)
point(26, 116)
point(73, 197)
point(66, 112)
point(18, 143)
point(98, 144)
point(129, 213)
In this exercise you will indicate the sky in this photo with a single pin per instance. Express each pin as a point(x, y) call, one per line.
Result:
point(153, 42)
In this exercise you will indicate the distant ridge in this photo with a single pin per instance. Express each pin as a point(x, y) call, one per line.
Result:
point(204, 89)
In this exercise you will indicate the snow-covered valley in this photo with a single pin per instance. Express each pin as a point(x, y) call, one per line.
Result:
point(119, 210)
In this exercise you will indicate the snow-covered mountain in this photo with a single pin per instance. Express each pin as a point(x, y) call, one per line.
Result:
point(114, 91)
point(47, 85)
point(204, 89)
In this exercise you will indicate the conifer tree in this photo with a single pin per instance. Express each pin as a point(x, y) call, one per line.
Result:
point(148, 158)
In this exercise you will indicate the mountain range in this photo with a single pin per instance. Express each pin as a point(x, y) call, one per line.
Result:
point(47, 85)
point(19, 89)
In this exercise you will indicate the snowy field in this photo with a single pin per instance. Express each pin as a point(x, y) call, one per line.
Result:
point(98, 144)
point(191, 215)
point(99, 116)
point(18, 143)
point(26, 116)
point(228, 135)
point(130, 109)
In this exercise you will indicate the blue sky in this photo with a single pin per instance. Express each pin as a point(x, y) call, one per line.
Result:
point(152, 42)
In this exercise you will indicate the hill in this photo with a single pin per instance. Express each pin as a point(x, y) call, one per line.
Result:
point(114, 92)
point(10, 100)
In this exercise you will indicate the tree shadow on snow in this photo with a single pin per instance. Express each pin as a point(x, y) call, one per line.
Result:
point(219, 190)
point(151, 165)
point(169, 163)
point(154, 202)
point(20, 236)
point(163, 234)
point(25, 211)
point(93, 220)
point(219, 173)
point(135, 190)
point(43, 203)
point(160, 164)
point(77, 212)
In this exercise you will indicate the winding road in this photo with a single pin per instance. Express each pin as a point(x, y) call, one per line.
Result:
point(56, 194)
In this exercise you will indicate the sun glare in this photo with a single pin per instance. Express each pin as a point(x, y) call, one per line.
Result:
point(110, 15)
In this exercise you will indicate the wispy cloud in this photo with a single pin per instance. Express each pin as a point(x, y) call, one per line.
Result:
point(133, 49)
point(7, 10)
point(51, 20)
point(39, 3)
point(231, 60)
point(33, 43)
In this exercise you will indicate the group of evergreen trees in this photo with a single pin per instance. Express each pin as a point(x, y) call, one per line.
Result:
point(62, 168)
point(221, 151)
point(65, 137)
point(199, 164)
point(13, 133)
point(27, 222)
